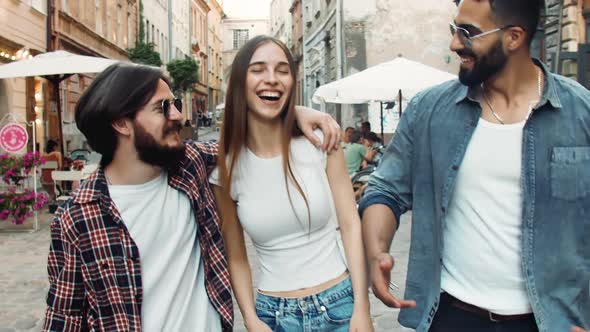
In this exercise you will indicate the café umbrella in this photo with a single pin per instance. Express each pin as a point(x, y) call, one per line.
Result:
point(55, 67)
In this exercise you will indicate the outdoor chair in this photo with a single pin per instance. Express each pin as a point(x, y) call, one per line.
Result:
point(65, 176)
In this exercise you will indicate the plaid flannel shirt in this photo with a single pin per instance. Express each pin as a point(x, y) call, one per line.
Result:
point(94, 266)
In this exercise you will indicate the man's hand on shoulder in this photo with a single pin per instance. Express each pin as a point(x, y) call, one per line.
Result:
point(309, 119)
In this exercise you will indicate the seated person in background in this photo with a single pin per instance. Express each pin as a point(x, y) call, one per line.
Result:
point(372, 142)
point(346, 137)
point(52, 153)
point(356, 153)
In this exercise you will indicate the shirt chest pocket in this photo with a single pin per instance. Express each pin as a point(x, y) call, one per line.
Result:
point(570, 172)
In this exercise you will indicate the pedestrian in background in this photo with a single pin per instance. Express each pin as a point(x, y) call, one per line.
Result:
point(281, 190)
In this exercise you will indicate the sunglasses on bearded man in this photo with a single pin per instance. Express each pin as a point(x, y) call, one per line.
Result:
point(167, 103)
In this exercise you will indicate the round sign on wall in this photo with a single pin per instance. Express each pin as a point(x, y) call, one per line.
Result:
point(13, 137)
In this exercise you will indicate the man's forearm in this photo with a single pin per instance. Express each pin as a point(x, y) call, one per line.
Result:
point(379, 226)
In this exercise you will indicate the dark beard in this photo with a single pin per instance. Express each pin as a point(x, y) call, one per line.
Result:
point(484, 67)
point(151, 152)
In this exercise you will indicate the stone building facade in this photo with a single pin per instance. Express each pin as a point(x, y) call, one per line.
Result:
point(236, 31)
point(23, 34)
point(297, 47)
point(215, 61)
point(199, 48)
point(104, 28)
point(564, 39)
point(342, 37)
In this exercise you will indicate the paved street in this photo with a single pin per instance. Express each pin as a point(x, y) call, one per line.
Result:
point(23, 276)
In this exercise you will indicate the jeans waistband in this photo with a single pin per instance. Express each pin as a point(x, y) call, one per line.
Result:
point(312, 302)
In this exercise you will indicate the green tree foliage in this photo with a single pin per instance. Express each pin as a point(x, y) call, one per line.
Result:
point(143, 52)
point(184, 73)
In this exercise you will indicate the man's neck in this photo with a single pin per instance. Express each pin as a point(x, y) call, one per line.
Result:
point(127, 169)
point(517, 83)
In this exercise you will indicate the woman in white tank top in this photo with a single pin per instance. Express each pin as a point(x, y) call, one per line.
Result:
point(288, 196)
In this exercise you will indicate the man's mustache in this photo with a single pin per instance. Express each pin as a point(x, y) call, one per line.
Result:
point(174, 128)
point(466, 53)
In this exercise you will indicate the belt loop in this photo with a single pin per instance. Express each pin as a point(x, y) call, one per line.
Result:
point(282, 306)
point(318, 307)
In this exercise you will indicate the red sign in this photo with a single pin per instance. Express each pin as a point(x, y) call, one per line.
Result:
point(13, 137)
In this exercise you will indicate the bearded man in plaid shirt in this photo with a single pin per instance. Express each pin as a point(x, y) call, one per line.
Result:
point(139, 246)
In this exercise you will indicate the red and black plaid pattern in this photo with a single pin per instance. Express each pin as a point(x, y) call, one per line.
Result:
point(94, 266)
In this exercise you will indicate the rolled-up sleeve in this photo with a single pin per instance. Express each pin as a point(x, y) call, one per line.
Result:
point(391, 183)
point(66, 295)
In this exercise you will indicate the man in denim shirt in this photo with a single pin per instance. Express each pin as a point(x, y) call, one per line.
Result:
point(496, 168)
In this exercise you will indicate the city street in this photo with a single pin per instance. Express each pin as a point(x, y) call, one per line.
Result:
point(23, 277)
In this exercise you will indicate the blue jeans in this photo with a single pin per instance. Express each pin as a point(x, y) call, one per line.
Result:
point(329, 310)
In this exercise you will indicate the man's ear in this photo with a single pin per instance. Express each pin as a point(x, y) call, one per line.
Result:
point(122, 126)
point(515, 38)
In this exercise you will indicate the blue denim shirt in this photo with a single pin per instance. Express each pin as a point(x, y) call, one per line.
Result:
point(419, 170)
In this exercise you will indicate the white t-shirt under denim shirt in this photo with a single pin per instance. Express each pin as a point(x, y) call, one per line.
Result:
point(292, 256)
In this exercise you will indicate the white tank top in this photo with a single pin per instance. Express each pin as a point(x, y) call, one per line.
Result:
point(482, 263)
point(292, 254)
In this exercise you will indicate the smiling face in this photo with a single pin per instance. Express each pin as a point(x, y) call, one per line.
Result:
point(485, 56)
point(269, 82)
point(155, 137)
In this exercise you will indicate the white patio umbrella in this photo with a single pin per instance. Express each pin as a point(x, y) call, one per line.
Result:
point(382, 83)
point(55, 63)
point(55, 67)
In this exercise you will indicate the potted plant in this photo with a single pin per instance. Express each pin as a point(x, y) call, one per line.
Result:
point(17, 203)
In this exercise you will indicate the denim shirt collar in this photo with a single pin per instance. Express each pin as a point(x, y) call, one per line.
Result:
point(550, 93)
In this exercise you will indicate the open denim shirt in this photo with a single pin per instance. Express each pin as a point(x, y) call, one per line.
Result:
point(419, 171)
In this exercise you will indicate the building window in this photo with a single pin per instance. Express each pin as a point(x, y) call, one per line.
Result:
point(128, 40)
point(64, 6)
point(240, 38)
point(107, 24)
point(147, 31)
point(98, 17)
point(40, 6)
point(119, 36)
point(162, 46)
point(157, 42)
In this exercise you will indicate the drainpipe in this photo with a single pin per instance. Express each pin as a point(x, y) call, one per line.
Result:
point(339, 39)
point(170, 31)
point(49, 25)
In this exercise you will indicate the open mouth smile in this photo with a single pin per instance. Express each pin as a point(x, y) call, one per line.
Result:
point(270, 95)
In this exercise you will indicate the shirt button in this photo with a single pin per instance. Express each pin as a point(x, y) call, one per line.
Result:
point(322, 308)
point(455, 167)
point(278, 313)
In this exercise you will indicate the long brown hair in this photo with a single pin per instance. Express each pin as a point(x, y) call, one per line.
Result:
point(234, 132)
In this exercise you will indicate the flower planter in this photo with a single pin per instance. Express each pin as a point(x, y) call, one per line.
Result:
point(18, 203)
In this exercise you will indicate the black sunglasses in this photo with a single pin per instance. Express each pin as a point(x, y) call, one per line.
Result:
point(166, 103)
